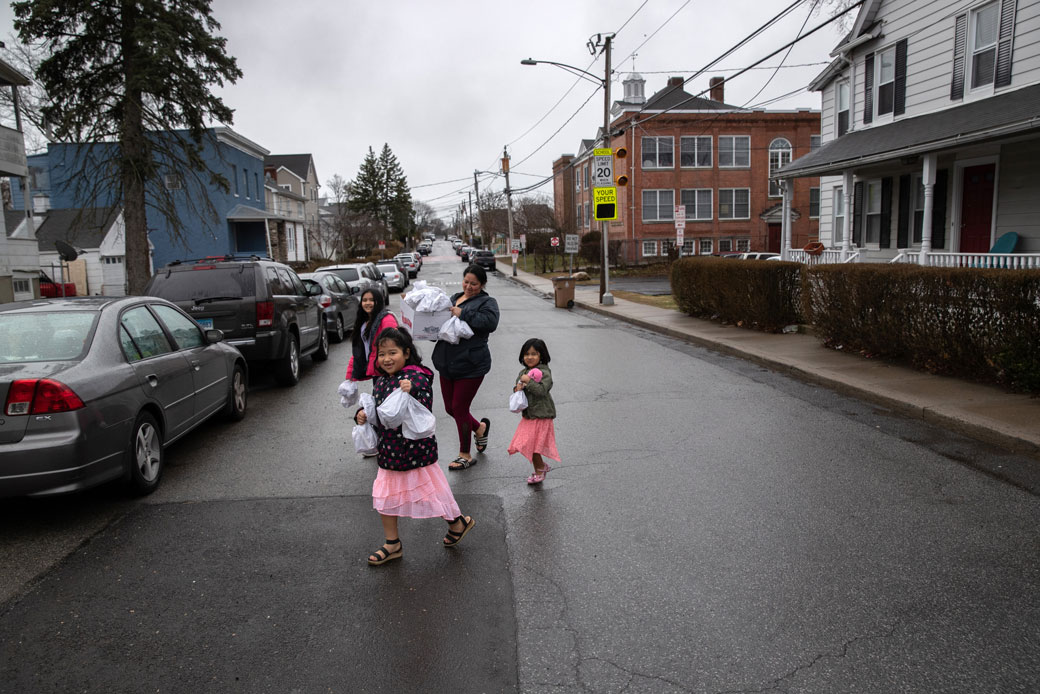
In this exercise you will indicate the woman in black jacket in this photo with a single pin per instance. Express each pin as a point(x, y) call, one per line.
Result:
point(462, 367)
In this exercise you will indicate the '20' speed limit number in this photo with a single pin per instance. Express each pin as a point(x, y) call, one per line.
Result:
point(602, 168)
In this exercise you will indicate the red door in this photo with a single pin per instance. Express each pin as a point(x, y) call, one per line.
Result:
point(774, 238)
point(977, 209)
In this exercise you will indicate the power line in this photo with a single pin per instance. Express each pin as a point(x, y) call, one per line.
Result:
point(786, 55)
point(653, 34)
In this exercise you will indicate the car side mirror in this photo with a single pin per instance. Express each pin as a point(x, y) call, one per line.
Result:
point(213, 335)
point(314, 290)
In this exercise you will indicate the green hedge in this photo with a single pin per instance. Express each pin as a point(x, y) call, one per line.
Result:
point(749, 293)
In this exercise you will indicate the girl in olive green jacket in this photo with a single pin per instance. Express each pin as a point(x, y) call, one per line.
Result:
point(535, 435)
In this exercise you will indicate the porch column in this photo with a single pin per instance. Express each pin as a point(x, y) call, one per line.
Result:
point(928, 181)
point(846, 220)
point(785, 219)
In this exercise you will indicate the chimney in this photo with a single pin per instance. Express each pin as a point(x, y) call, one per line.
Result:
point(716, 84)
point(675, 82)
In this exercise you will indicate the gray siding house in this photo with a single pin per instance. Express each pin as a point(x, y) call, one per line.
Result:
point(930, 135)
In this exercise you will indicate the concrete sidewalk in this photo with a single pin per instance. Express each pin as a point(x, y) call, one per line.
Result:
point(983, 412)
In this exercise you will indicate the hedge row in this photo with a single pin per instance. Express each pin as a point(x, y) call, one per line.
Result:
point(972, 323)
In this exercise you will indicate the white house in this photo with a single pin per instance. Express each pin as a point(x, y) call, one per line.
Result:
point(931, 134)
point(19, 264)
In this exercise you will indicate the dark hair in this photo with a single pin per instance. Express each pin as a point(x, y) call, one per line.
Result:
point(362, 317)
point(403, 339)
point(478, 272)
point(539, 346)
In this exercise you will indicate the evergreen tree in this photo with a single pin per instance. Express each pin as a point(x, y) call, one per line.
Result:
point(381, 191)
point(367, 191)
point(132, 72)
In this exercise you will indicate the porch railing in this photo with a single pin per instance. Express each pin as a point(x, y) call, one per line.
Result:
point(1008, 261)
point(830, 256)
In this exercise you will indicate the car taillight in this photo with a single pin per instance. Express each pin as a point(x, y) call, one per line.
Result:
point(325, 301)
point(40, 396)
point(265, 314)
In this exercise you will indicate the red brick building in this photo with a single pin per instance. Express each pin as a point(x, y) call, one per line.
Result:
point(712, 157)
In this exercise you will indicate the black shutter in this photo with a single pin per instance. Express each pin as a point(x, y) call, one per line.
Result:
point(960, 43)
point(1004, 43)
point(857, 213)
point(939, 210)
point(900, 79)
point(886, 213)
point(903, 221)
point(868, 89)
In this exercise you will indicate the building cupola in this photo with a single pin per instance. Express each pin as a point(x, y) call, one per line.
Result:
point(634, 84)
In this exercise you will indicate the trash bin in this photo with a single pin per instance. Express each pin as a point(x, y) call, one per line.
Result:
point(563, 289)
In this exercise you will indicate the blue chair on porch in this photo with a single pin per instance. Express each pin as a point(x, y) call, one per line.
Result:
point(1005, 244)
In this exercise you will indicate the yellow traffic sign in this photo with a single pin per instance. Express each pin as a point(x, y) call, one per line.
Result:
point(602, 152)
point(604, 204)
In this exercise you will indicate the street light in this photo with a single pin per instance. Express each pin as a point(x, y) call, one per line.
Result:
point(605, 297)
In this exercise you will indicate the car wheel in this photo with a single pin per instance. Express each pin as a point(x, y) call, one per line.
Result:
point(323, 345)
point(287, 372)
point(339, 334)
point(235, 410)
point(145, 455)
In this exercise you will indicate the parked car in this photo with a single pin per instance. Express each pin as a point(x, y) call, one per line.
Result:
point(758, 255)
point(357, 276)
point(396, 277)
point(465, 252)
point(456, 245)
point(425, 247)
point(50, 288)
point(95, 388)
point(418, 257)
point(338, 303)
point(376, 274)
point(260, 305)
point(409, 263)
point(484, 258)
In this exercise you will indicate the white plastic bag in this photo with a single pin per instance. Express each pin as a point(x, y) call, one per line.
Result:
point(348, 393)
point(454, 330)
point(518, 401)
point(366, 441)
point(368, 404)
point(427, 299)
point(402, 410)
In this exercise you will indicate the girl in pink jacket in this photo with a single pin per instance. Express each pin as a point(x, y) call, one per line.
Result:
point(372, 318)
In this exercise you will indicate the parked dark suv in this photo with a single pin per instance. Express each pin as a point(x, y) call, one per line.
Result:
point(260, 305)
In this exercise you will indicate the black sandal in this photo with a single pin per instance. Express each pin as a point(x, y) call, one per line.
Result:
point(461, 463)
point(453, 538)
point(482, 441)
point(383, 554)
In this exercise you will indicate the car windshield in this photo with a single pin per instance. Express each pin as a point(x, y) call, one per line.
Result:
point(45, 336)
point(347, 274)
point(387, 268)
point(204, 282)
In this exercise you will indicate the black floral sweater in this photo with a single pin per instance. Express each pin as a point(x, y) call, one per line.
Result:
point(395, 452)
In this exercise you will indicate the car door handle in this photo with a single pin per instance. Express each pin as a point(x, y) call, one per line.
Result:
point(153, 380)
point(195, 364)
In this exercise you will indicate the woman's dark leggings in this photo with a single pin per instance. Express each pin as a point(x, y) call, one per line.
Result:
point(458, 395)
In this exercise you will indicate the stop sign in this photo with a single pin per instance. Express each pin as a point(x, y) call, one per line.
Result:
point(555, 240)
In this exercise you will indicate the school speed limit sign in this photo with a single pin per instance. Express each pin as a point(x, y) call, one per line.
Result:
point(602, 167)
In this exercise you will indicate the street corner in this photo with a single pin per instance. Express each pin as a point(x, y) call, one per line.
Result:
point(269, 595)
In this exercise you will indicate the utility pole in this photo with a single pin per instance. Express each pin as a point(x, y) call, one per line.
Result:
point(605, 297)
point(509, 207)
point(476, 195)
point(470, 196)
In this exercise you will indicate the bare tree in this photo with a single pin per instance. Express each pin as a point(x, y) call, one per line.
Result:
point(26, 58)
point(836, 7)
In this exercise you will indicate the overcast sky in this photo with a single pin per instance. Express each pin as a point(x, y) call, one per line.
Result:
point(441, 82)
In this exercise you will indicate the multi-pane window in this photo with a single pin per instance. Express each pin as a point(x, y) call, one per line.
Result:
point(814, 203)
point(885, 65)
point(585, 176)
point(918, 207)
point(577, 182)
point(290, 239)
point(842, 109)
point(667, 246)
point(173, 181)
point(872, 213)
point(21, 286)
point(984, 28)
point(658, 153)
point(245, 182)
point(743, 245)
point(687, 247)
point(697, 202)
point(725, 245)
point(706, 246)
point(839, 215)
point(658, 205)
point(234, 177)
point(649, 248)
point(779, 156)
point(587, 218)
point(577, 216)
point(734, 151)
point(734, 203)
point(695, 151)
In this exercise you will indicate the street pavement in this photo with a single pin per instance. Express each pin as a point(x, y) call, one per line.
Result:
point(714, 526)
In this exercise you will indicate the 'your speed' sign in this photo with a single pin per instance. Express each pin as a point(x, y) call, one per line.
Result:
point(602, 167)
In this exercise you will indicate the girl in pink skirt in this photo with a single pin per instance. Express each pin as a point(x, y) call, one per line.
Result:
point(535, 435)
point(409, 482)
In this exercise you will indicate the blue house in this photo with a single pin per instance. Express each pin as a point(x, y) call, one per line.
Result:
point(240, 222)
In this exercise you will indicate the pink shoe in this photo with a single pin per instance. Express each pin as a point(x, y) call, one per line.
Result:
point(539, 477)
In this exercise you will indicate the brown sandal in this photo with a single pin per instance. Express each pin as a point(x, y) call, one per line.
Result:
point(385, 554)
point(453, 538)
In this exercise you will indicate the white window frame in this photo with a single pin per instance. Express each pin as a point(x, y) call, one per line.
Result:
point(815, 141)
point(578, 222)
point(780, 150)
point(916, 210)
point(649, 246)
point(698, 212)
point(871, 214)
point(587, 216)
point(687, 247)
point(658, 207)
point(725, 245)
point(815, 189)
point(838, 215)
point(842, 93)
point(290, 244)
point(733, 203)
point(743, 245)
point(585, 175)
point(975, 50)
point(731, 150)
point(21, 286)
point(656, 161)
point(173, 181)
point(879, 59)
point(706, 246)
point(698, 151)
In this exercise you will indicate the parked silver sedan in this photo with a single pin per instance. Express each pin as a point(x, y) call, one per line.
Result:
point(395, 276)
point(95, 388)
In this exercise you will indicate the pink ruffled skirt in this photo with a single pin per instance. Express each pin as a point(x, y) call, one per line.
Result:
point(420, 493)
point(535, 436)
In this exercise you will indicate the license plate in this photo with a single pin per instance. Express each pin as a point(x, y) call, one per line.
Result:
point(206, 323)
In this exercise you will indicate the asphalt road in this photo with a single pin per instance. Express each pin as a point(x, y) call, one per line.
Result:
point(713, 527)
